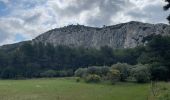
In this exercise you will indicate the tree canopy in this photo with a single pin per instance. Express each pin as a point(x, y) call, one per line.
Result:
point(166, 7)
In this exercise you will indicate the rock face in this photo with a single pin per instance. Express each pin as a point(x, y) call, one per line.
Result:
point(125, 35)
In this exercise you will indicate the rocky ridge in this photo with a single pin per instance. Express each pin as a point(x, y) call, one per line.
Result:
point(125, 35)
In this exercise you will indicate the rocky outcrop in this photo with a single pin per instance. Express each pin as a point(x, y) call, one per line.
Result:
point(125, 35)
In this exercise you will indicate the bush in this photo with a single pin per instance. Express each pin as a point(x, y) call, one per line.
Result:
point(78, 79)
point(80, 72)
point(48, 73)
point(141, 73)
point(104, 71)
point(124, 70)
point(98, 70)
point(64, 73)
point(113, 75)
point(165, 96)
point(93, 78)
point(94, 70)
point(69, 72)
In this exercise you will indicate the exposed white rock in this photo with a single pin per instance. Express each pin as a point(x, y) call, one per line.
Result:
point(125, 35)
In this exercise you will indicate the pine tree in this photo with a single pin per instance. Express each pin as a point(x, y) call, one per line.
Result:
point(166, 7)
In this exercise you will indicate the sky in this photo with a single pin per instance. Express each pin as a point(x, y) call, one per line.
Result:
point(22, 20)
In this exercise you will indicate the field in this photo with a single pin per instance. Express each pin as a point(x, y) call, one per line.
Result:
point(69, 89)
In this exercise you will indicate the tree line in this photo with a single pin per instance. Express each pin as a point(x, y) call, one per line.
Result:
point(39, 60)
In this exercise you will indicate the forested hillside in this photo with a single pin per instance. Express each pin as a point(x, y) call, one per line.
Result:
point(34, 60)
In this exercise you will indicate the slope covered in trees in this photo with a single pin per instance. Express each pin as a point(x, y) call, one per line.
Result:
point(37, 60)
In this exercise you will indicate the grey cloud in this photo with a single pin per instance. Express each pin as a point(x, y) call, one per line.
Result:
point(8, 29)
point(77, 7)
point(137, 14)
point(107, 9)
point(3, 36)
point(33, 17)
point(82, 5)
point(6, 37)
point(156, 13)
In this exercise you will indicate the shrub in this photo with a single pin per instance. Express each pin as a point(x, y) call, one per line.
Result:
point(93, 78)
point(114, 75)
point(78, 79)
point(141, 73)
point(165, 96)
point(64, 73)
point(94, 70)
point(48, 73)
point(124, 70)
point(104, 71)
point(80, 72)
point(70, 72)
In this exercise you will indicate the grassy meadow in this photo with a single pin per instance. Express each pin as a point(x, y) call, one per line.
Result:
point(69, 89)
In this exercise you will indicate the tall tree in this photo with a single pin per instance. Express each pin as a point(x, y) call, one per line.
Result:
point(166, 7)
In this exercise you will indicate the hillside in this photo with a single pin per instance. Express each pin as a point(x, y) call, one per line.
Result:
point(125, 35)
point(64, 50)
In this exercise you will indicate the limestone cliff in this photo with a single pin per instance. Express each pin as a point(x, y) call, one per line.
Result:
point(125, 35)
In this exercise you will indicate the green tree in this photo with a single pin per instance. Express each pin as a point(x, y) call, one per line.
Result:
point(107, 55)
point(141, 73)
point(124, 70)
point(8, 73)
point(32, 70)
point(166, 7)
point(158, 50)
point(159, 72)
point(27, 50)
point(4, 60)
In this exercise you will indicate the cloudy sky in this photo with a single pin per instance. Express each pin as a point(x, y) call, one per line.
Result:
point(25, 19)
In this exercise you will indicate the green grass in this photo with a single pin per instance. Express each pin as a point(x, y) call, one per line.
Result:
point(69, 89)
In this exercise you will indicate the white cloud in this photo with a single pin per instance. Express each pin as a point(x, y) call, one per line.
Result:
point(30, 18)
